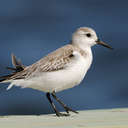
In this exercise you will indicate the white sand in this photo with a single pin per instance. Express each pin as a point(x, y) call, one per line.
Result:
point(113, 118)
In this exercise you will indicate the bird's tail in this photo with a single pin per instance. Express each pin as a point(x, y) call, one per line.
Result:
point(3, 79)
point(17, 67)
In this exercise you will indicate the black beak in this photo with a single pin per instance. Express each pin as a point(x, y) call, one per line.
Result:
point(103, 44)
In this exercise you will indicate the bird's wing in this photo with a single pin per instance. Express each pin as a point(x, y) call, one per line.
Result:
point(54, 61)
point(16, 62)
point(17, 65)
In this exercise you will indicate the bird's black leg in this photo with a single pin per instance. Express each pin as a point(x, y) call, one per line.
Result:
point(67, 109)
point(53, 106)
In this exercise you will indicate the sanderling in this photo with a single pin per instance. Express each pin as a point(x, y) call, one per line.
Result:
point(62, 69)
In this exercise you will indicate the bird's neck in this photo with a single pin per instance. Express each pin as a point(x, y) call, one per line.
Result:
point(86, 48)
point(87, 51)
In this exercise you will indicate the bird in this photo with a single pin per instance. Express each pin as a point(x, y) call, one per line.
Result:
point(61, 69)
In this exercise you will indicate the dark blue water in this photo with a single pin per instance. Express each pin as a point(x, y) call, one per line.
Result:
point(31, 29)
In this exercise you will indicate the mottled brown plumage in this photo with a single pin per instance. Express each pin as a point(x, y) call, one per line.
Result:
point(54, 61)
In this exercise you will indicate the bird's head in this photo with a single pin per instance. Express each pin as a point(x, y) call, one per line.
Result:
point(86, 37)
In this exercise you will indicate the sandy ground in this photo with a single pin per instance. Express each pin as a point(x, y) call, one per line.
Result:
point(112, 118)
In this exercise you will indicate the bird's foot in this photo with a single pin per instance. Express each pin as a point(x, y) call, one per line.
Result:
point(67, 109)
point(62, 114)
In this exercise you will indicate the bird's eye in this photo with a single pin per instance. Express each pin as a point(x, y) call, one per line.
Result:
point(88, 35)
